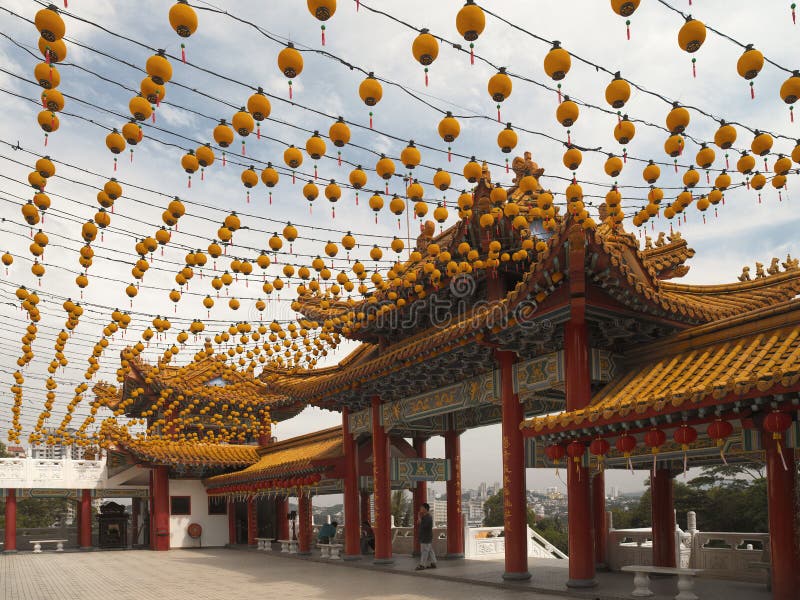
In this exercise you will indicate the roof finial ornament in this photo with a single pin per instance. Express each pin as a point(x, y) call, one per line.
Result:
point(745, 276)
point(760, 274)
point(774, 267)
point(791, 263)
point(648, 242)
point(660, 240)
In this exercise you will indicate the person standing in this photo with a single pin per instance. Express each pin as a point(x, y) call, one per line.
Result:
point(427, 557)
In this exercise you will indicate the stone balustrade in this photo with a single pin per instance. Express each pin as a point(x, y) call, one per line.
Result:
point(726, 555)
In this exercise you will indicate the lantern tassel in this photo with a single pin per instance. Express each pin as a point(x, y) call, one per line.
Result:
point(694, 68)
point(471, 53)
point(426, 76)
point(780, 453)
point(722, 456)
point(183, 53)
point(290, 89)
point(794, 16)
point(752, 91)
point(322, 27)
point(628, 29)
point(370, 119)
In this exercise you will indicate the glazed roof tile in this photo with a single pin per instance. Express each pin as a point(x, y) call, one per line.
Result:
point(293, 455)
point(192, 454)
point(757, 351)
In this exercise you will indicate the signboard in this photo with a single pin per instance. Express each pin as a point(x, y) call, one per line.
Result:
point(411, 470)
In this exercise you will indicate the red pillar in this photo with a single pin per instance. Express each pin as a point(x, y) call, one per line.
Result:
point(515, 518)
point(160, 514)
point(252, 522)
point(781, 491)
point(579, 393)
point(352, 526)
point(305, 525)
point(599, 518)
point(136, 508)
point(382, 485)
point(420, 494)
point(663, 511)
point(231, 522)
point(282, 516)
point(85, 530)
point(365, 516)
point(10, 545)
point(455, 528)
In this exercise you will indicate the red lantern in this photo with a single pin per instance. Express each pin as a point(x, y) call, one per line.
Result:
point(719, 430)
point(625, 444)
point(655, 438)
point(576, 450)
point(776, 423)
point(685, 435)
point(600, 447)
point(555, 452)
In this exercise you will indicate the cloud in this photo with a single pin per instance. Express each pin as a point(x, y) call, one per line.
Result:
point(232, 52)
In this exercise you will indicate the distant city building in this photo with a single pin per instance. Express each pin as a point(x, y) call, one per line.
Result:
point(482, 489)
point(15, 451)
point(57, 451)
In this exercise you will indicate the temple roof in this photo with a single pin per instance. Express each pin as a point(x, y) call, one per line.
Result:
point(758, 352)
point(210, 378)
point(191, 454)
point(626, 281)
point(288, 457)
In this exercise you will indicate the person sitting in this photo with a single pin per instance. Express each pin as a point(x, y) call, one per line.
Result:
point(367, 538)
point(327, 532)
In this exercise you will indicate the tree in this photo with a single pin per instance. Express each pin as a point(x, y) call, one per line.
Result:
point(3, 453)
point(401, 509)
point(493, 512)
point(554, 531)
point(724, 497)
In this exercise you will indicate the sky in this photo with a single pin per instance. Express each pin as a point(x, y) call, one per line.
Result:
point(232, 58)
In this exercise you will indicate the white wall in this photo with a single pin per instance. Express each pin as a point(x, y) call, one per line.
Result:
point(215, 527)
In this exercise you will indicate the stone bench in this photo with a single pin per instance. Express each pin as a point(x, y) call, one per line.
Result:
point(289, 546)
point(331, 551)
point(37, 545)
point(264, 544)
point(641, 580)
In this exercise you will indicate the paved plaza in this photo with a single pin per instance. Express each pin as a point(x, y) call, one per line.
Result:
point(216, 573)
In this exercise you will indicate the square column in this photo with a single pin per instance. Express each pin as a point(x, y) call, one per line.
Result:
point(10, 542)
point(282, 517)
point(305, 525)
point(783, 525)
point(365, 516)
point(578, 395)
point(352, 526)
point(515, 506)
point(599, 518)
point(420, 493)
point(252, 522)
point(85, 527)
point(231, 522)
point(159, 493)
point(382, 485)
point(663, 519)
point(455, 527)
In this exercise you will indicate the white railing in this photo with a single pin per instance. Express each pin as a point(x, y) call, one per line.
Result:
point(24, 473)
point(489, 542)
point(727, 555)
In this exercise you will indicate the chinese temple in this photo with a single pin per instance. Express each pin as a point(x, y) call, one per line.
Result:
point(585, 349)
